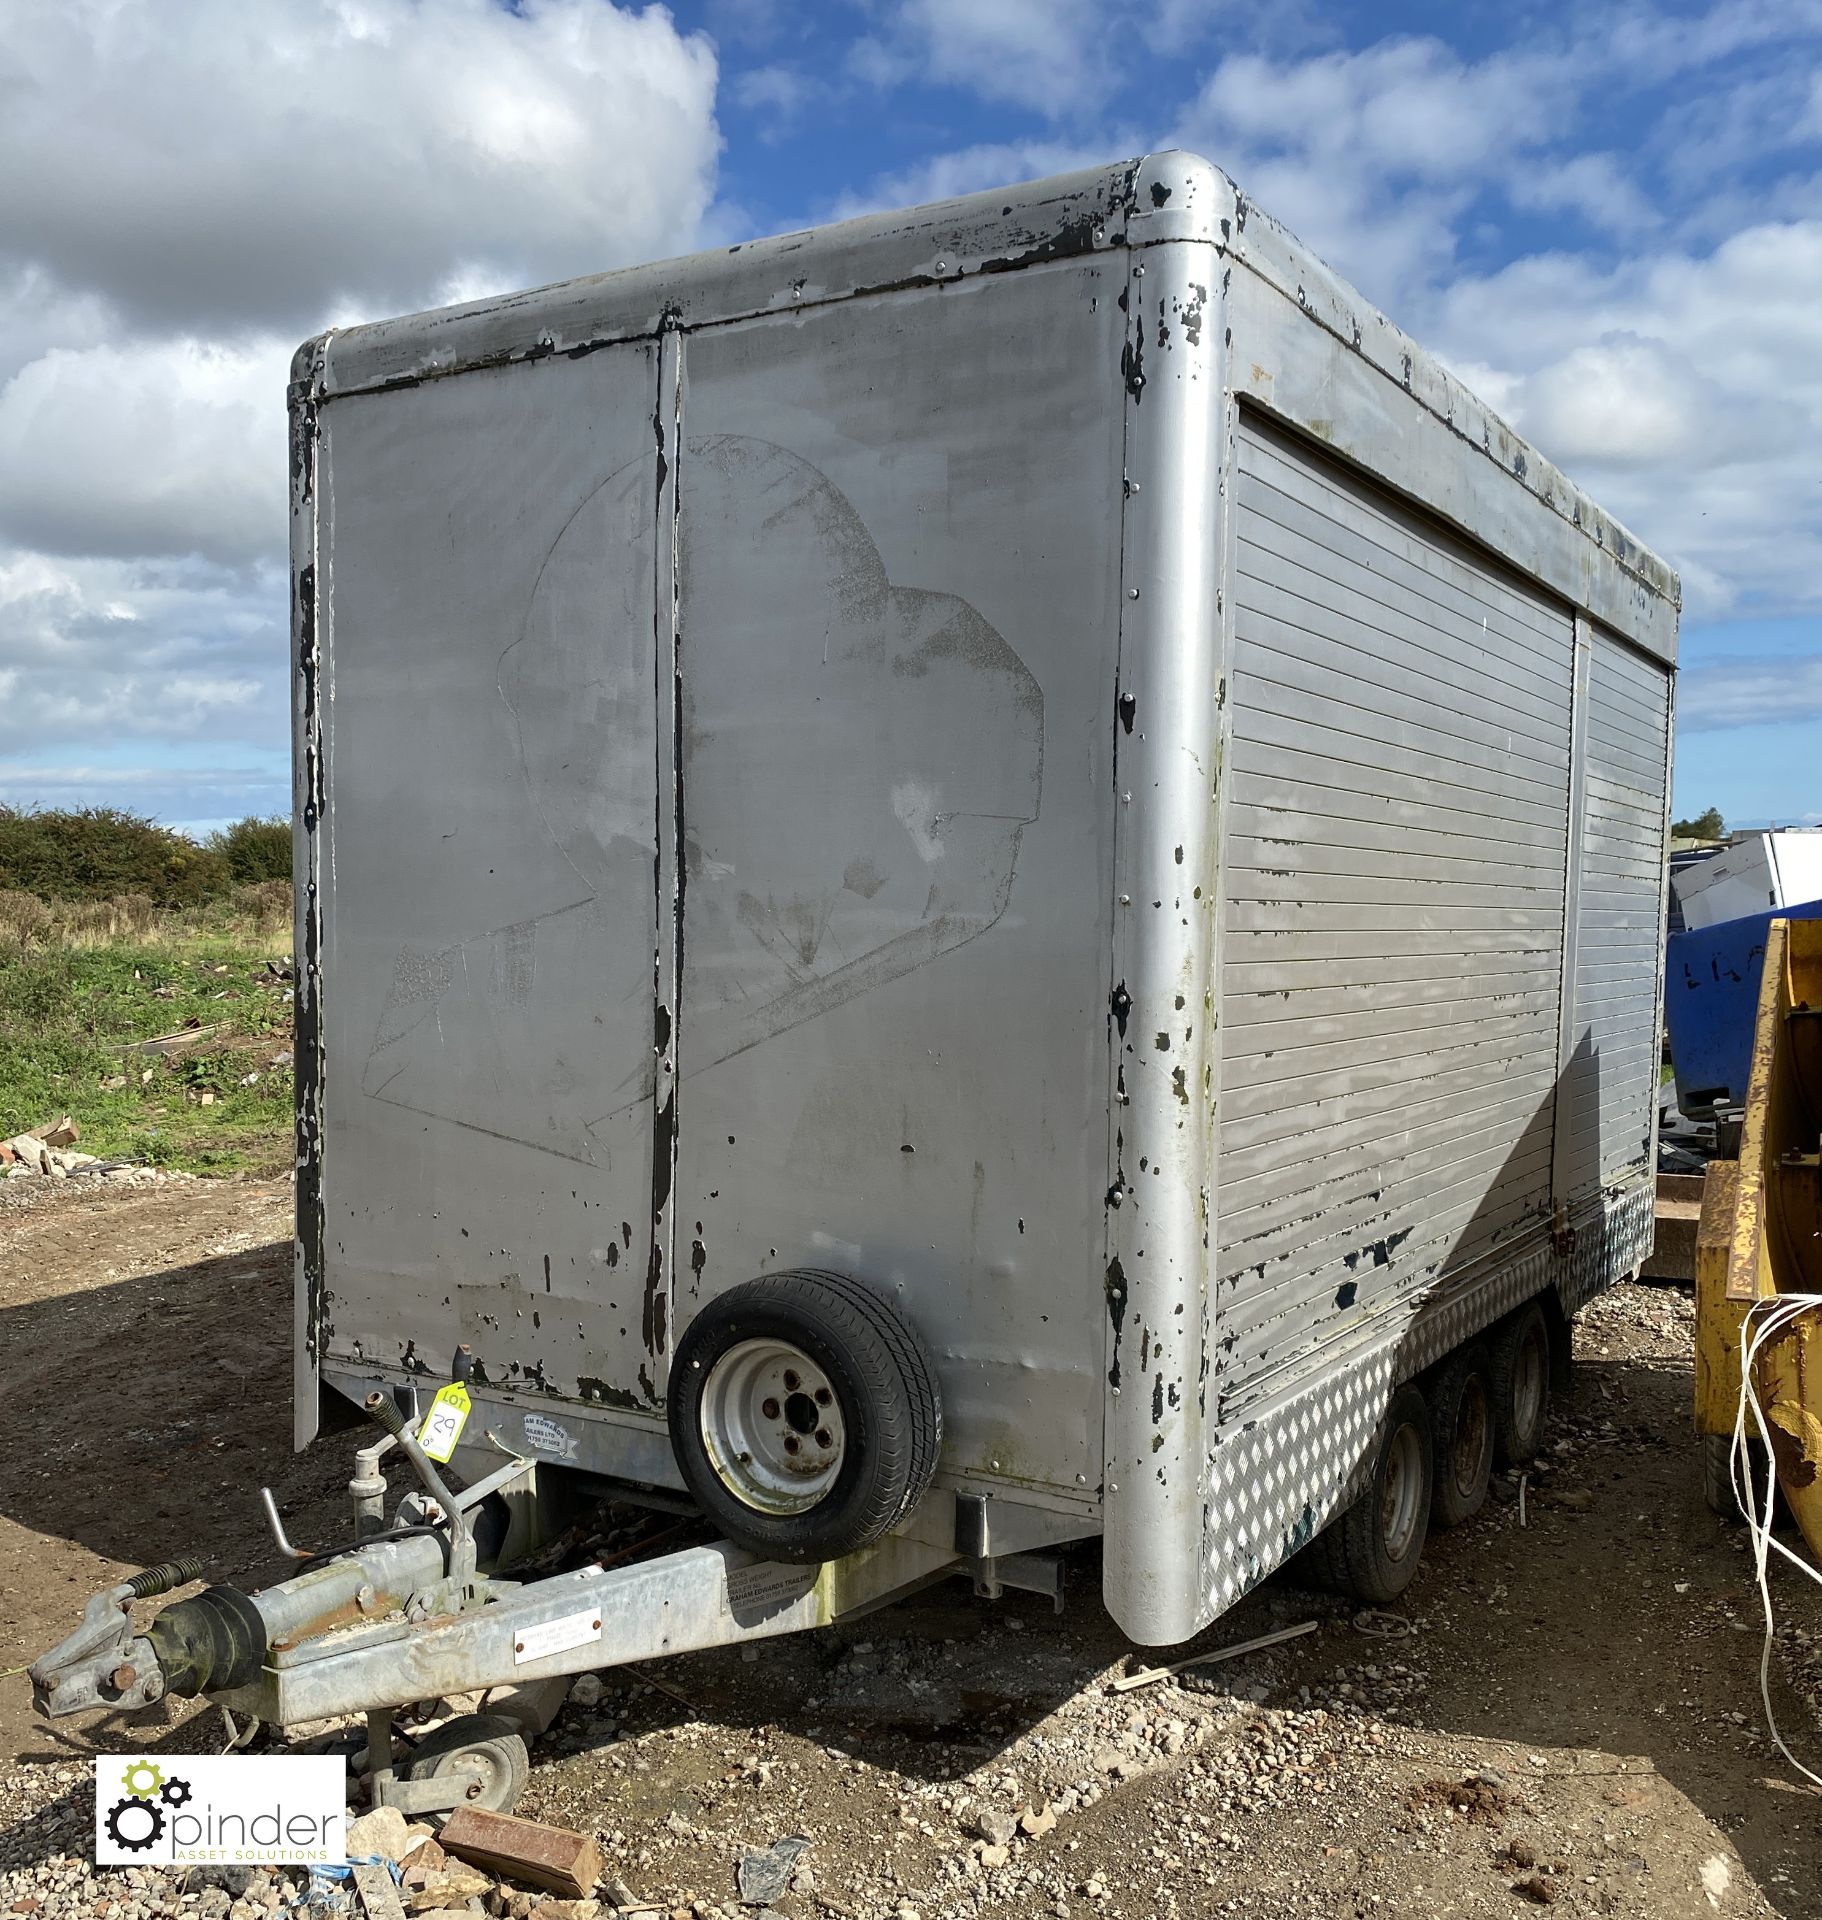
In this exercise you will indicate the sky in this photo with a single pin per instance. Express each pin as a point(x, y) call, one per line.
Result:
point(1607, 221)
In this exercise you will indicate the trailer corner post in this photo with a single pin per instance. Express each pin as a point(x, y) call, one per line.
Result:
point(1166, 712)
point(309, 789)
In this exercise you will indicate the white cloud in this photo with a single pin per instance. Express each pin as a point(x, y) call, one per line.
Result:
point(1050, 56)
point(218, 165)
point(778, 93)
point(1684, 389)
point(165, 448)
point(1746, 692)
point(188, 191)
point(1374, 157)
point(1593, 186)
point(947, 176)
point(1404, 109)
point(107, 650)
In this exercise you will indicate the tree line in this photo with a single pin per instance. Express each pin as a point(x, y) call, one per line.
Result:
point(100, 853)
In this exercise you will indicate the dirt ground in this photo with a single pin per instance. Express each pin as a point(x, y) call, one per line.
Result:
point(1569, 1716)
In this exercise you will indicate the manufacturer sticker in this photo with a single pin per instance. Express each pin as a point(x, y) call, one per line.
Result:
point(545, 1435)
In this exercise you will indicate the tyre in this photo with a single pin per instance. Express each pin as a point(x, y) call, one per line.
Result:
point(804, 1414)
point(1520, 1378)
point(487, 1748)
point(1371, 1551)
point(1717, 1476)
point(1461, 1419)
point(1718, 1491)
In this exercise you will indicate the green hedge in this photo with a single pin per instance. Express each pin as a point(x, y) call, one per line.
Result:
point(100, 853)
point(255, 850)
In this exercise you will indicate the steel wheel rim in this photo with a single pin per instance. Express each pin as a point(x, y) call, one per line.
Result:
point(489, 1771)
point(1472, 1427)
point(1528, 1385)
point(1401, 1499)
point(772, 1426)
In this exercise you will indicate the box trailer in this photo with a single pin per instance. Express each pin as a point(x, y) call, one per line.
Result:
point(985, 877)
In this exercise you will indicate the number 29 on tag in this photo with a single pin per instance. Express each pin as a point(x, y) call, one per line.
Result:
point(444, 1422)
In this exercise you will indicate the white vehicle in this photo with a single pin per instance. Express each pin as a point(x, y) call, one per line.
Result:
point(1757, 873)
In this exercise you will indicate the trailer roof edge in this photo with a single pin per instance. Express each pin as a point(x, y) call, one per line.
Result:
point(1169, 196)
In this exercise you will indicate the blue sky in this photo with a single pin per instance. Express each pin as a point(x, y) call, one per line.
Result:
point(1609, 223)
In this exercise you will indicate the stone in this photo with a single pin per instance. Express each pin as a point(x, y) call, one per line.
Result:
point(586, 1691)
point(234, 1880)
point(452, 1886)
point(424, 1860)
point(994, 1856)
point(380, 1834)
point(1035, 1825)
point(379, 1897)
point(995, 1826)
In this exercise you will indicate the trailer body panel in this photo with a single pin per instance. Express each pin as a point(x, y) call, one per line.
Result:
point(894, 761)
point(1036, 752)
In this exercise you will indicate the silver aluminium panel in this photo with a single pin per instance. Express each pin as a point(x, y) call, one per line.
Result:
point(1392, 916)
point(487, 700)
point(898, 591)
point(1608, 1109)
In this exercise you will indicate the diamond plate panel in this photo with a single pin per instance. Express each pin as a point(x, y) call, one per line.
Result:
point(1276, 1478)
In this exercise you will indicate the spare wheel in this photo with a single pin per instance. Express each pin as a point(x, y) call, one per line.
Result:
point(804, 1414)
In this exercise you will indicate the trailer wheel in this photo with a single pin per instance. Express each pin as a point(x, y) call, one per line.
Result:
point(485, 1746)
point(804, 1414)
point(1461, 1418)
point(1520, 1377)
point(1372, 1550)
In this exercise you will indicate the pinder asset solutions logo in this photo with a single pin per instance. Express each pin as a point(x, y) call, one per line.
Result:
point(200, 1809)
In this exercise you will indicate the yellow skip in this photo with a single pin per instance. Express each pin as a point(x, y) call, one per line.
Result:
point(1761, 1232)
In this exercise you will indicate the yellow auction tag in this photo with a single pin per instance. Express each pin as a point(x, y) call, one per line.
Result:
point(444, 1422)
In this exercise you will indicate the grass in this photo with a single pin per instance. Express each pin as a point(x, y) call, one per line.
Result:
point(71, 1006)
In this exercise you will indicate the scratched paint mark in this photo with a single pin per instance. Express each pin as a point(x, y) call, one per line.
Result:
point(499, 1033)
point(861, 757)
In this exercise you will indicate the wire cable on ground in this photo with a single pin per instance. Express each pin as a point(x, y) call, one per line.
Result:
point(1765, 1320)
